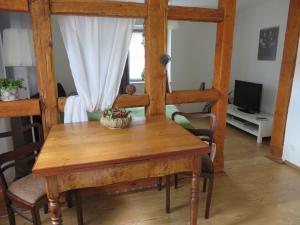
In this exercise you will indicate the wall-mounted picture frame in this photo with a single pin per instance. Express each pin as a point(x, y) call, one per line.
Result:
point(268, 41)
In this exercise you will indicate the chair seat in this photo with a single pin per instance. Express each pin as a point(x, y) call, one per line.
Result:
point(28, 188)
point(207, 166)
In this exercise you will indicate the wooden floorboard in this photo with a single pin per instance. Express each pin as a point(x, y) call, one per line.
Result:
point(253, 191)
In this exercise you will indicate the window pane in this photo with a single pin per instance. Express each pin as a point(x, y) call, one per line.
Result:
point(136, 56)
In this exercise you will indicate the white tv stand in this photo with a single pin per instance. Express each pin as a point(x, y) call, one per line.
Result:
point(259, 124)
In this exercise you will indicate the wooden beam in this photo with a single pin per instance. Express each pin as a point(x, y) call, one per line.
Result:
point(195, 14)
point(42, 35)
point(156, 46)
point(20, 108)
point(224, 43)
point(286, 79)
point(14, 5)
point(125, 101)
point(122, 101)
point(99, 8)
point(191, 96)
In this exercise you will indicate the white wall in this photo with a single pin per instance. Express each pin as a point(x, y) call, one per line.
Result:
point(193, 51)
point(291, 148)
point(245, 66)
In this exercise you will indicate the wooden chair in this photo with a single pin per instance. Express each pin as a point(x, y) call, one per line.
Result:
point(207, 170)
point(28, 191)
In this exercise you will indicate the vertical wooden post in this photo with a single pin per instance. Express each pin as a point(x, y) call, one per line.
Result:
point(42, 35)
point(156, 45)
point(224, 43)
point(286, 79)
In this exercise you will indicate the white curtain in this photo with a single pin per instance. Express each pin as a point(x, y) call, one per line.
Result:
point(97, 49)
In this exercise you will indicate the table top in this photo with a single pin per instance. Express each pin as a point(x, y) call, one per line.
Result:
point(80, 146)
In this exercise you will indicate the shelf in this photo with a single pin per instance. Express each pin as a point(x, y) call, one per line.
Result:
point(233, 110)
point(18, 108)
point(248, 127)
point(250, 122)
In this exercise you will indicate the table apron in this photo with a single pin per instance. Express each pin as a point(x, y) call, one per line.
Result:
point(125, 172)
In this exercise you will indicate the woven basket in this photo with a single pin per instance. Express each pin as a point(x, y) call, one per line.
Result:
point(115, 123)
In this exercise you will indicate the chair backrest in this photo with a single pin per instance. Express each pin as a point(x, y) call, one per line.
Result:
point(23, 154)
point(204, 134)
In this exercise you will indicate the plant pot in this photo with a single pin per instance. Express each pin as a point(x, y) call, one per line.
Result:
point(115, 123)
point(9, 94)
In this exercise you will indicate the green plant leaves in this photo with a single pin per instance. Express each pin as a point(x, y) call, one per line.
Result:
point(11, 84)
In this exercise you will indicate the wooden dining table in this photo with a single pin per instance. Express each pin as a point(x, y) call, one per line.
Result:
point(83, 155)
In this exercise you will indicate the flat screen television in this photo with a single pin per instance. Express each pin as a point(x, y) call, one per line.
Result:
point(247, 96)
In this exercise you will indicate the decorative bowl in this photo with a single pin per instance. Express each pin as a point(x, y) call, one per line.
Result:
point(8, 95)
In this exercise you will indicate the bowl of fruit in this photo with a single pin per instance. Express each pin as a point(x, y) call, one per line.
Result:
point(115, 118)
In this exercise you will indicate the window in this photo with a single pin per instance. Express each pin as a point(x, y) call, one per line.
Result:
point(136, 56)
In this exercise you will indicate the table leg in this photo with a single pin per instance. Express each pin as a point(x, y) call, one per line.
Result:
point(195, 189)
point(54, 207)
point(53, 197)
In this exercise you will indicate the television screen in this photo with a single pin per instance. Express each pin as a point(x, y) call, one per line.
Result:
point(247, 96)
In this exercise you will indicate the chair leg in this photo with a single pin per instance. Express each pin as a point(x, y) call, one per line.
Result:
point(175, 181)
point(204, 184)
point(69, 199)
point(46, 209)
point(11, 216)
point(209, 196)
point(36, 220)
point(168, 193)
point(78, 207)
point(159, 183)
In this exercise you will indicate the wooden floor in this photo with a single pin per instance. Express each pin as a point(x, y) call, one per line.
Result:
point(253, 191)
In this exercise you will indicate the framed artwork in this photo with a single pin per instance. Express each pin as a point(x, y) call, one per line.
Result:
point(268, 41)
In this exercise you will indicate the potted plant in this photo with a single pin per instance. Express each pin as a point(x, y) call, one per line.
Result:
point(9, 89)
point(115, 118)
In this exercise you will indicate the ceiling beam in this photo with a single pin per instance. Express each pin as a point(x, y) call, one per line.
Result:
point(98, 8)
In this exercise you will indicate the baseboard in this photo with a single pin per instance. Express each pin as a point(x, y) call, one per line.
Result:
point(291, 165)
point(274, 159)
